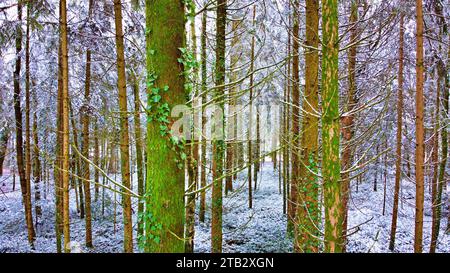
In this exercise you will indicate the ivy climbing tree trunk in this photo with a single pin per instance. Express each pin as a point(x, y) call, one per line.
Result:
point(124, 130)
point(218, 143)
point(331, 167)
point(308, 214)
point(420, 131)
point(165, 208)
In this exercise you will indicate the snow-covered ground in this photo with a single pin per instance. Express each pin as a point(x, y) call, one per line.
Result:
point(261, 229)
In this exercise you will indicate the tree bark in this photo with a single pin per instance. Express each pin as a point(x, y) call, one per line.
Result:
point(24, 182)
point(308, 213)
point(398, 161)
point(165, 175)
point(420, 149)
point(124, 134)
point(331, 167)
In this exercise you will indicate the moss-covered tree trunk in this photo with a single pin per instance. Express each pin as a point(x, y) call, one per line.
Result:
point(65, 124)
point(218, 142)
point(308, 212)
point(165, 215)
point(331, 165)
point(124, 130)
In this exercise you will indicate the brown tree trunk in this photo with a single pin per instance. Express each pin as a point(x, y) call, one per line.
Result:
point(124, 139)
point(398, 161)
point(308, 214)
point(204, 144)
point(295, 151)
point(420, 151)
point(250, 105)
point(24, 183)
point(218, 144)
point(85, 112)
point(65, 124)
point(348, 120)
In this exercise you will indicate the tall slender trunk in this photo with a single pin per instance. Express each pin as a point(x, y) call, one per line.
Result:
point(308, 214)
point(139, 153)
point(204, 145)
point(85, 120)
point(65, 124)
point(250, 117)
point(295, 150)
point(192, 150)
point(442, 88)
point(57, 171)
point(36, 166)
point(398, 161)
point(28, 169)
point(420, 149)
point(218, 150)
point(124, 134)
point(24, 182)
point(347, 120)
point(331, 167)
point(4, 136)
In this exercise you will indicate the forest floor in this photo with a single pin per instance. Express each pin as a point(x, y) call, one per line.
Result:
point(261, 229)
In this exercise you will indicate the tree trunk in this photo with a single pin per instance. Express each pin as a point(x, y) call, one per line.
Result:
point(348, 120)
point(36, 167)
point(65, 124)
point(139, 154)
point(420, 151)
point(442, 85)
point(192, 150)
point(218, 142)
point(398, 161)
point(202, 208)
point(165, 175)
point(331, 167)
point(24, 183)
point(4, 136)
point(124, 134)
point(296, 149)
point(308, 215)
point(250, 116)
